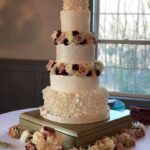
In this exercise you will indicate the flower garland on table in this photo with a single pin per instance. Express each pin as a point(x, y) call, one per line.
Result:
point(91, 69)
point(73, 38)
point(46, 139)
point(125, 139)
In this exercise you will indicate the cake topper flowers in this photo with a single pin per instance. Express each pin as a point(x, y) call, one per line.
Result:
point(75, 4)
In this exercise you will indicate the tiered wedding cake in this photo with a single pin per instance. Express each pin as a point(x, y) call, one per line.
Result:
point(74, 96)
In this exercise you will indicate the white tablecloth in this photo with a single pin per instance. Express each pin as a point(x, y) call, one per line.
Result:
point(7, 120)
point(12, 118)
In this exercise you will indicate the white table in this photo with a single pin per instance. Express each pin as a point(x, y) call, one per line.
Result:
point(6, 121)
point(12, 118)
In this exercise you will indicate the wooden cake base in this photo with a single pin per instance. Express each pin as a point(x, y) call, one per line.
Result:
point(77, 135)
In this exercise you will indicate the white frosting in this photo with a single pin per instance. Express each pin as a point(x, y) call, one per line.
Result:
point(75, 54)
point(73, 83)
point(75, 20)
point(75, 107)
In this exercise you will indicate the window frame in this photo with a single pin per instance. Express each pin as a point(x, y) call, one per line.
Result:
point(94, 5)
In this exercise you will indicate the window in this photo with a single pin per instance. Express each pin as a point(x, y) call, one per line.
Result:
point(122, 28)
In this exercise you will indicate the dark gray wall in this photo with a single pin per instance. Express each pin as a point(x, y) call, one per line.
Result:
point(21, 83)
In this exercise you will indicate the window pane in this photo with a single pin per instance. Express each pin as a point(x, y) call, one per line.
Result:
point(108, 27)
point(127, 67)
point(108, 78)
point(126, 57)
point(125, 80)
point(142, 81)
point(108, 6)
point(124, 6)
point(124, 19)
point(143, 57)
point(135, 27)
point(106, 53)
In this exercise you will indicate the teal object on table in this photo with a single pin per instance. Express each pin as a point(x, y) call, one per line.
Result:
point(116, 104)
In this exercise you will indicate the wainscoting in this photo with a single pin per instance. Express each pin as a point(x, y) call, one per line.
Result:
point(21, 83)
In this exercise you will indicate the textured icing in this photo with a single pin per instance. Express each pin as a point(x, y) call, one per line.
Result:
point(74, 84)
point(73, 54)
point(75, 20)
point(75, 4)
point(82, 104)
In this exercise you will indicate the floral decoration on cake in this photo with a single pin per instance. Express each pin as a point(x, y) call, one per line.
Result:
point(76, 4)
point(73, 38)
point(91, 69)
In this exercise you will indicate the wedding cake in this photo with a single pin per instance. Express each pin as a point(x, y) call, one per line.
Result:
point(74, 95)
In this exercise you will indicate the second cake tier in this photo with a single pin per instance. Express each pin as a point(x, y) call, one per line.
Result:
point(75, 53)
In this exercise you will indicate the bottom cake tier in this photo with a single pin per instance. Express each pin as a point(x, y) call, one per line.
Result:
point(75, 107)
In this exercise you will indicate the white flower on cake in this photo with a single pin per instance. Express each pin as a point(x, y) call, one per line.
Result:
point(69, 69)
point(69, 36)
point(54, 34)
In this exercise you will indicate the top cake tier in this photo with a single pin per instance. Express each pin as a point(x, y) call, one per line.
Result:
point(75, 16)
point(75, 4)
